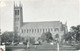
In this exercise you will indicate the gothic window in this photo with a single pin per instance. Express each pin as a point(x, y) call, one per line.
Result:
point(43, 30)
point(56, 29)
point(62, 28)
point(32, 30)
point(16, 12)
point(48, 29)
point(17, 28)
point(37, 30)
point(57, 36)
point(27, 30)
point(51, 29)
point(22, 30)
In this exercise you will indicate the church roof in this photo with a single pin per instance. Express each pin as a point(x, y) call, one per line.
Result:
point(43, 23)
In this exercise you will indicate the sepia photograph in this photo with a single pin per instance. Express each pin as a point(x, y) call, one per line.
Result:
point(39, 25)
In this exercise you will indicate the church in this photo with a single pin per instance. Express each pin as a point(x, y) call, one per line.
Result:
point(36, 29)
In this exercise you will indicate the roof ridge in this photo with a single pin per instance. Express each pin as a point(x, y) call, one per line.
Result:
point(41, 21)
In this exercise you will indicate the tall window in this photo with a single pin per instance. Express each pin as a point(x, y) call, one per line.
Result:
point(48, 29)
point(51, 29)
point(37, 30)
point(22, 30)
point(32, 30)
point(56, 29)
point(17, 28)
point(57, 36)
point(40, 30)
point(43, 30)
point(16, 12)
point(27, 30)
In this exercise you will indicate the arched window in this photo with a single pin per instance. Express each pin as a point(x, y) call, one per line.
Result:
point(40, 30)
point(27, 30)
point(43, 30)
point(56, 29)
point(16, 12)
point(32, 30)
point(22, 30)
point(57, 36)
point(37, 30)
point(51, 29)
point(48, 30)
point(17, 28)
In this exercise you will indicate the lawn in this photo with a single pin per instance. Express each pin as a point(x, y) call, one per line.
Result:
point(45, 47)
point(49, 47)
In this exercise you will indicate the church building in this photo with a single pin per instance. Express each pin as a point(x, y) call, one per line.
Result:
point(36, 29)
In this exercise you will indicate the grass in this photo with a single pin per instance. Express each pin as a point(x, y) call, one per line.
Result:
point(52, 48)
point(47, 47)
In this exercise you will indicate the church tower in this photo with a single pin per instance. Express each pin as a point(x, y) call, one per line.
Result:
point(18, 18)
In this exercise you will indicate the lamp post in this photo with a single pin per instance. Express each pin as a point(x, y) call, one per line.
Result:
point(57, 38)
point(57, 45)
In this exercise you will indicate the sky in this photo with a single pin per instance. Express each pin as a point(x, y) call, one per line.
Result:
point(41, 10)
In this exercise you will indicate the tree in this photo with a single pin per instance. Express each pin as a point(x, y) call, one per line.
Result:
point(16, 38)
point(47, 37)
point(68, 36)
point(74, 34)
point(7, 37)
